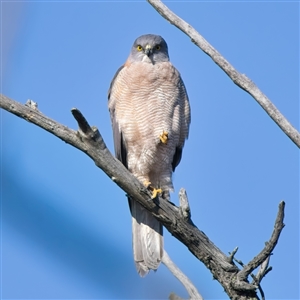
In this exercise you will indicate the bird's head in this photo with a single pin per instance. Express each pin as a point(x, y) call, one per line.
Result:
point(149, 48)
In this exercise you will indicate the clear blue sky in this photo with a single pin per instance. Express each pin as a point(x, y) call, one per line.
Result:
point(66, 228)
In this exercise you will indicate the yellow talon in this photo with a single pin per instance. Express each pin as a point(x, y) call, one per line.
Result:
point(154, 191)
point(164, 137)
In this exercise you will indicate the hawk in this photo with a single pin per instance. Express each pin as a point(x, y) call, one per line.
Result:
point(150, 115)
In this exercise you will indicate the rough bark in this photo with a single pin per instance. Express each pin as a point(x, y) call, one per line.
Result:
point(176, 219)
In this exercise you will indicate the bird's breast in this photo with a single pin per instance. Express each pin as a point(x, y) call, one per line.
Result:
point(148, 100)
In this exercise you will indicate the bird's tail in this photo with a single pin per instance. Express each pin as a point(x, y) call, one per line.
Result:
point(147, 239)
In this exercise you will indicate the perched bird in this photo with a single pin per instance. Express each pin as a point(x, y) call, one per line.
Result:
point(150, 115)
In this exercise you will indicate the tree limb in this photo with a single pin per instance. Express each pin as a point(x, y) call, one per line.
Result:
point(184, 205)
point(263, 270)
point(255, 280)
point(266, 252)
point(192, 291)
point(176, 220)
point(241, 80)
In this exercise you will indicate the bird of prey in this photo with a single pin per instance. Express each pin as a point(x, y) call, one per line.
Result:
point(150, 115)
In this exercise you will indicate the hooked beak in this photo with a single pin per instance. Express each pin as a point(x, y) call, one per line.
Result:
point(148, 50)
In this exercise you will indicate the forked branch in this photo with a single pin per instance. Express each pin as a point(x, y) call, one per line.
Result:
point(264, 255)
point(176, 220)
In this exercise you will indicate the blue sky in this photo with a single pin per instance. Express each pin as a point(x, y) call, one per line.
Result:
point(66, 228)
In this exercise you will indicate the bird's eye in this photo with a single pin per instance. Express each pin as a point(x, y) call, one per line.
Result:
point(139, 48)
point(157, 47)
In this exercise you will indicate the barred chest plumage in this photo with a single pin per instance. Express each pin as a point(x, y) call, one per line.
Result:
point(148, 104)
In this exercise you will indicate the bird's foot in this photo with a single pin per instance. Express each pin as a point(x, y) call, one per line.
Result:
point(154, 191)
point(146, 183)
point(164, 137)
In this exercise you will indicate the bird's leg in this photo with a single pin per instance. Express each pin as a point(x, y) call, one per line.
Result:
point(154, 191)
point(146, 183)
point(164, 137)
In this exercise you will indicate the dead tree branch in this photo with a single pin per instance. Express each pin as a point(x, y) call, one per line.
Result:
point(266, 252)
point(192, 291)
point(176, 220)
point(241, 80)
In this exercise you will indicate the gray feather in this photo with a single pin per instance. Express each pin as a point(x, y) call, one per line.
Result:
point(147, 240)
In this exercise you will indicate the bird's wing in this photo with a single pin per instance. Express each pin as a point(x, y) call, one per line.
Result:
point(185, 124)
point(119, 142)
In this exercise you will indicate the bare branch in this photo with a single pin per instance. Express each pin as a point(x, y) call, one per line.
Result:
point(241, 80)
point(176, 220)
point(192, 291)
point(265, 253)
point(184, 205)
point(232, 254)
point(82, 122)
point(263, 270)
point(252, 275)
